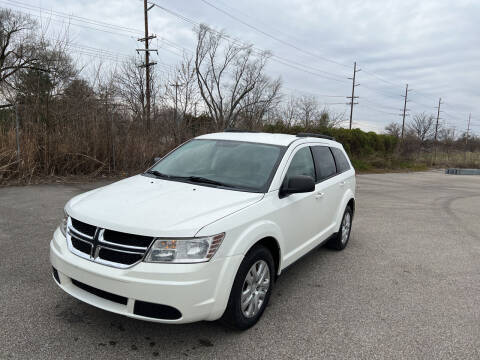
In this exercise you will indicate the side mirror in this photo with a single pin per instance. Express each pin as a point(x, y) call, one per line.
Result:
point(297, 184)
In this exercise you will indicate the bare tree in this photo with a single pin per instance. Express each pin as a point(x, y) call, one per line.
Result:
point(226, 72)
point(18, 48)
point(308, 110)
point(446, 135)
point(393, 129)
point(422, 126)
point(289, 111)
point(329, 119)
point(131, 86)
point(256, 104)
point(189, 94)
point(181, 90)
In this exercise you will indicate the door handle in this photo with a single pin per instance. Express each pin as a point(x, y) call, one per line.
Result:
point(342, 183)
point(319, 195)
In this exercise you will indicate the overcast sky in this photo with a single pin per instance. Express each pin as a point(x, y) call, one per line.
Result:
point(433, 45)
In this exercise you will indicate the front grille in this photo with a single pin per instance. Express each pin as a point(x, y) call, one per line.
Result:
point(100, 293)
point(105, 246)
point(119, 257)
point(84, 228)
point(83, 246)
point(126, 239)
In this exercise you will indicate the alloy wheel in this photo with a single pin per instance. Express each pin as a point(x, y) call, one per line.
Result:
point(346, 224)
point(255, 288)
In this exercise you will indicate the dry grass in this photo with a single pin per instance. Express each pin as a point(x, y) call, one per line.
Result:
point(82, 151)
point(92, 146)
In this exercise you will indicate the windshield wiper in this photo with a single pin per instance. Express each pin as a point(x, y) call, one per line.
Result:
point(158, 174)
point(196, 179)
point(201, 179)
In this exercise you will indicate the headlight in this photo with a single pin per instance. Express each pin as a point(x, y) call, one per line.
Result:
point(192, 250)
point(63, 224)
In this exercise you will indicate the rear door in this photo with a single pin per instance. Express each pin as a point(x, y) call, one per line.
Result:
point(346, 177)
point(326, 189)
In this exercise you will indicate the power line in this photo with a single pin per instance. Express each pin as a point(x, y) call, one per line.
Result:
point(316, 56)
point(129, 31)
point(380, 106)
point(452, 116)
point(82, 49)
point(386, 94)
point(276, 38)
point(276, 58)
point(72, 23)
point(313, 93)
point(378, 77)
point(74, 17)
point(378, 110)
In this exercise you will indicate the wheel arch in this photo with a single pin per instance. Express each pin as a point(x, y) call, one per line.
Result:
point(274, 247)
point(351, 203)
point(347, 200)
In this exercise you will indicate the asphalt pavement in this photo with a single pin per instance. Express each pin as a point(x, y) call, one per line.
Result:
point(407, 286)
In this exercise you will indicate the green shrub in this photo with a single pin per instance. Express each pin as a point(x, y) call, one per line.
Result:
point(358, 144)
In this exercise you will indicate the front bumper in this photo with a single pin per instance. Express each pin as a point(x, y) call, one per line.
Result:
point(198, 291)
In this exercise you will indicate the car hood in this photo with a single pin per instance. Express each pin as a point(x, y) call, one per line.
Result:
point(154, 207)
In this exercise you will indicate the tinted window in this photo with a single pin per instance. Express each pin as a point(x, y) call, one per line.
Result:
point(341, 160)
point(324, 163)
point(237, 164)
point(302, 164)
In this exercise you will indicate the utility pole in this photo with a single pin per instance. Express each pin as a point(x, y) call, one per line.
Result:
point(147, 63)
point(112, 130)
point(438, 117)
point(436, 131)
point(353, 97)
point(17, 132)
point(466, 137)
point(404, 110)
point(177, 123)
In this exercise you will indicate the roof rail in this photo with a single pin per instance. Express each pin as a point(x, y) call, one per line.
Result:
point(239, 130)
point(316, 135)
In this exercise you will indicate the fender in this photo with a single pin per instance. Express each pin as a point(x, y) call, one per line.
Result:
point(256, 232)
point(241, 243)
point(346, 198)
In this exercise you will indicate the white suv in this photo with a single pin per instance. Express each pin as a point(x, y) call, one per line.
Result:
point(203, 234)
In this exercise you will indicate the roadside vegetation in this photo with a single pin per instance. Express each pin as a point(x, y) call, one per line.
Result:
point(56, 120)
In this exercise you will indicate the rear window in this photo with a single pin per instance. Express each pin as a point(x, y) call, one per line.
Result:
point(324, 163)
point(340, 160)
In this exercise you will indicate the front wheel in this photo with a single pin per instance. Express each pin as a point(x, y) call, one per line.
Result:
point(340, 241)
point(251, 289)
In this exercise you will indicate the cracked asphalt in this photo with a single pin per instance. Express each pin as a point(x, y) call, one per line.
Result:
point(407, 286)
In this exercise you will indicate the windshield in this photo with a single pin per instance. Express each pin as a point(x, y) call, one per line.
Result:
point(231, 164)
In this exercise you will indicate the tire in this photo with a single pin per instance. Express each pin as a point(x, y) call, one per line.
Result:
point(340, 240)
point(252, 269)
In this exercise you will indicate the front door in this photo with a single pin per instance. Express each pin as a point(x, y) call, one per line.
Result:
point(298, 214)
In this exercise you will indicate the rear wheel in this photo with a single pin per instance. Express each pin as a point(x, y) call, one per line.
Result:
point(340, 241)
point(251, 289)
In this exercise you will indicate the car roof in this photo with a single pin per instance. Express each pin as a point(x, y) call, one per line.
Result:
point(265, 138)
